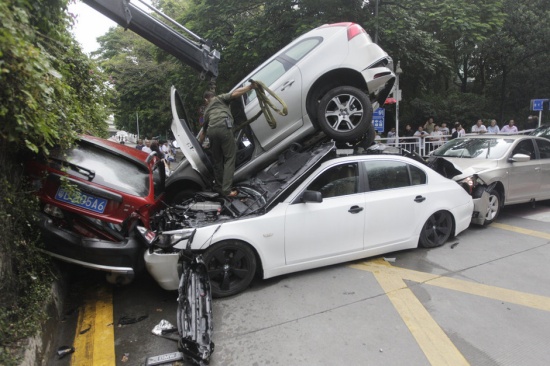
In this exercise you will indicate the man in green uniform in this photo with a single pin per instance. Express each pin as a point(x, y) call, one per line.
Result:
point(218, 125)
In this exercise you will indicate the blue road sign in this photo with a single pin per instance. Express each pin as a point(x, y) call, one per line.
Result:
point(537, 104)
point(378, 117)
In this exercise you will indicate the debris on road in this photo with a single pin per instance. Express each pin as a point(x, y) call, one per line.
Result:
point(64, 351)
point(389, 260)
point(126, 320)
point(454, 245)
point(163, 327)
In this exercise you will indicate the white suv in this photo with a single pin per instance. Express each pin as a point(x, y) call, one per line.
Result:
point(330, 78)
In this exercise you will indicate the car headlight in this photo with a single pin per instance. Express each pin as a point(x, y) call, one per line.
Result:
point(470, 183)
point(165, 239)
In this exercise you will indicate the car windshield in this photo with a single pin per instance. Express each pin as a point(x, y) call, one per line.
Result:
point(483, 148)
point(110, 170)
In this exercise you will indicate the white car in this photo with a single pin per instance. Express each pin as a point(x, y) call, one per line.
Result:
point(330, 78)
point(307, 210)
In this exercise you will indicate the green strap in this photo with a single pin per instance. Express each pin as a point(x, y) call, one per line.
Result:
point(265, 106)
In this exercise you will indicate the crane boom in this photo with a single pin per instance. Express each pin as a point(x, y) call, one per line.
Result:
point(197, 54)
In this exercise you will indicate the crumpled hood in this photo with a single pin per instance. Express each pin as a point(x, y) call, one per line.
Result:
point(459, 168)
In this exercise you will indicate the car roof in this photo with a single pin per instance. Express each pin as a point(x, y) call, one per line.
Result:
point(113, 146)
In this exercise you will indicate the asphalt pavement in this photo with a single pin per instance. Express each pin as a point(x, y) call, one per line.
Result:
point(483, 298)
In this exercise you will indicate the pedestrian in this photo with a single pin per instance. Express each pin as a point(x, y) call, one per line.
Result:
point(218, 126)
point(444, 131)
point(139, 145)
point(509, 128)
point(479, 127)
point(436, 138)
point(458, 131)
point(408, 141)
point(156, 148)
point(493, 128)
point(429, 125)
point(420, 134)
point(147, 147)
point(391, 136)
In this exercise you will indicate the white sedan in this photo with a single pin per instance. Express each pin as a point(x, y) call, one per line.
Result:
point(307, 210)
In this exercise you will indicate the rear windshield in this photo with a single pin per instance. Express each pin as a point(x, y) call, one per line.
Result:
point(485, 148)
point(110, 170)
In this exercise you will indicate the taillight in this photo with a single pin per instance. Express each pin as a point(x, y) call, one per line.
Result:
point(354, 30)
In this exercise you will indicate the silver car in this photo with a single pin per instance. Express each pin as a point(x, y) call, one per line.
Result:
point(510, 168)
point(330, 78)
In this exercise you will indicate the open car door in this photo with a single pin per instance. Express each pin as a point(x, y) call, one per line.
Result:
point(186, 138)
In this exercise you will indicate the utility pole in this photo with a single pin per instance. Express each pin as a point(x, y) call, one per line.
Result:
point(137, 122)
point(397, 94)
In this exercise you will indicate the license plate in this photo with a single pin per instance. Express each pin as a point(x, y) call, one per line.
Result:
point(83, 200)
point(168, 357)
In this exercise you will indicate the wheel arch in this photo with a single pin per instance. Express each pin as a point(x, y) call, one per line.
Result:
point(180, 185)
point(259, 263)
point(328, 81)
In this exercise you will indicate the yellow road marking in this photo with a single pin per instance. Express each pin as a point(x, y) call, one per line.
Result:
point(96, 346)
point(433, 341)
point(538, 234)
point(491, 292)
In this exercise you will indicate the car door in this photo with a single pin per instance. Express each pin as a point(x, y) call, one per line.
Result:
point(397, 196)
point(525, 177)
point(543, 146)
point(316, 230)
point(285, 80)
point(283, 76)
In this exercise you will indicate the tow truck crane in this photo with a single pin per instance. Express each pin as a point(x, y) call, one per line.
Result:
point(194, 294)
point(191, 49)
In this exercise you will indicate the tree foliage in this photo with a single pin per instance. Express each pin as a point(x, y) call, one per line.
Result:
point(51, 92)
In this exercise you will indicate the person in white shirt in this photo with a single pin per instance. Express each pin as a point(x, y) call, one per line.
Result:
point(391, 136)
point(509, 128)
point(147, 147)
point(444, 131)
point(458, 131)
point(436, 138)
point(493, 128)
point(479, 127)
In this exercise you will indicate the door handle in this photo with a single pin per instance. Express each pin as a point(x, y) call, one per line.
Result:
point(419, 199)
point(287, 84)
point(355, 209)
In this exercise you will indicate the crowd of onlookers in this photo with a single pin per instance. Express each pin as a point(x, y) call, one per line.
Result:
point(164, 150)
point(429, 135)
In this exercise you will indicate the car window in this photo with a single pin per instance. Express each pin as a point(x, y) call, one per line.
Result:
point(417, 175)
point(339, 180)
point(525, 147)
point(112, 171)
point(478, 148)
point(298, 51)
point(267, 75)
point(544, 149)
point(276, 68)
point(387, 174)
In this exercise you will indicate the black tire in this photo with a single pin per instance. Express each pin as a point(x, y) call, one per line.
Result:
point(494, 207)
point(231, 267)
point(345, 114)
point(437, 230)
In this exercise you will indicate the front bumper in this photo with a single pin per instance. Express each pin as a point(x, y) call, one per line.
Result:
point(481, 205)
point(123, 257)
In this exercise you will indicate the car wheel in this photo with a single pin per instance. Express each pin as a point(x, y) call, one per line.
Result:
point(345, 113)
point(436, 230)
point(231, 267)
point(494, 207)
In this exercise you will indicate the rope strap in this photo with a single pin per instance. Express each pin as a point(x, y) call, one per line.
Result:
point(265, 106)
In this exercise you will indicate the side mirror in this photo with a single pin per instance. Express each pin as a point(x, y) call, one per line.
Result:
point(519, 158)
point(311, 196)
